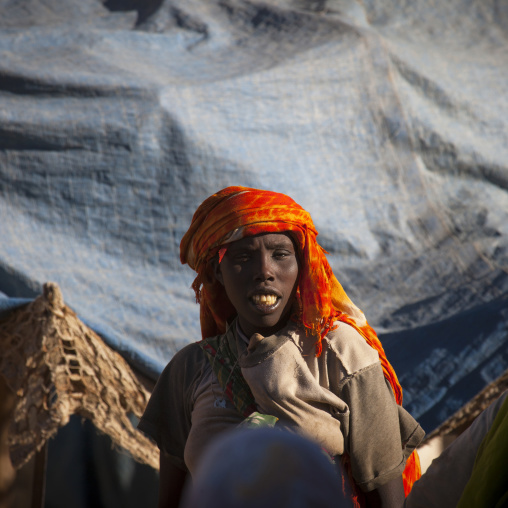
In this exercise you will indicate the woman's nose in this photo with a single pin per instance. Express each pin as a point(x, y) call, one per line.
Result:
point(264, 270)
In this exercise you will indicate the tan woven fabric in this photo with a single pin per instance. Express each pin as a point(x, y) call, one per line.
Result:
point(57, 366)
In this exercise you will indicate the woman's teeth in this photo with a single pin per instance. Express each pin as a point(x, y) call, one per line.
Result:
point(264, 299)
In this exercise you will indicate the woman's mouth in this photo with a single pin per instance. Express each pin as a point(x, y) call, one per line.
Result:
point(264, 301)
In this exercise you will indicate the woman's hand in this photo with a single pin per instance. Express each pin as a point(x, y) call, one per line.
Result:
point(171, 482)
point(389, 495)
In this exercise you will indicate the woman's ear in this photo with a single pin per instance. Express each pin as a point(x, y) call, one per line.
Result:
point(216, 270)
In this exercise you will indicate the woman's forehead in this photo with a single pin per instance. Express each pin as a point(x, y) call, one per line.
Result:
point(268, 240)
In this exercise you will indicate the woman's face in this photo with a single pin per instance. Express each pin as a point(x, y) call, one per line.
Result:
point(260, 275)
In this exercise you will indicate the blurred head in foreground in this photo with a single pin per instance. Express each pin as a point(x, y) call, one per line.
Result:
point(265, 467)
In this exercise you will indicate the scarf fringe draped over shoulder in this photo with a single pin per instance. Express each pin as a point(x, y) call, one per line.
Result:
point(237, 212)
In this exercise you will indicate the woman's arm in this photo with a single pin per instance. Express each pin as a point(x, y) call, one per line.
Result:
point(171, 482)
point(389, 495)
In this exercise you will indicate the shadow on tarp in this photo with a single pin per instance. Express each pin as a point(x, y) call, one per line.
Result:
point(85, 471)
point(450, 360)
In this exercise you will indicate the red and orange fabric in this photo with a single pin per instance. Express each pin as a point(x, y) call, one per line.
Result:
point(236, 212)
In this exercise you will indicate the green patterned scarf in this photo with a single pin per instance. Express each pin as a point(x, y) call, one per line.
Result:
point(222, 353)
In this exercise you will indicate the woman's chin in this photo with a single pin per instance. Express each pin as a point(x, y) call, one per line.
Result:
point(265, 325)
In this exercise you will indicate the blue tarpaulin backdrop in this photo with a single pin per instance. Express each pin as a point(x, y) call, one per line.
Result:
point(387, 120)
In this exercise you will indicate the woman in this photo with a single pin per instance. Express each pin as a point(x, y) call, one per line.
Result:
point(283, 342)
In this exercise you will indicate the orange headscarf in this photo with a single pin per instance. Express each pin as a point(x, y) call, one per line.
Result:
point(236, 212)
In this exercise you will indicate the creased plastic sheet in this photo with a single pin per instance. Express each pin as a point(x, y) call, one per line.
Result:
point(386, 120)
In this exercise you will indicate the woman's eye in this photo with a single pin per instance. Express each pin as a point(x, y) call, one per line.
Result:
point(280, 254)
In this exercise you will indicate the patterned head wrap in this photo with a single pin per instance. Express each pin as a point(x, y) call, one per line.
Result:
point(237, 212)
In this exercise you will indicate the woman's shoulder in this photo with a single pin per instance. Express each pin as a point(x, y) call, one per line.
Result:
point(350, 347)
point(187, 352)
point(187, 362)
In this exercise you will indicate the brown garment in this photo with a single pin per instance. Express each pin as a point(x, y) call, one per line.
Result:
point(341, 400)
